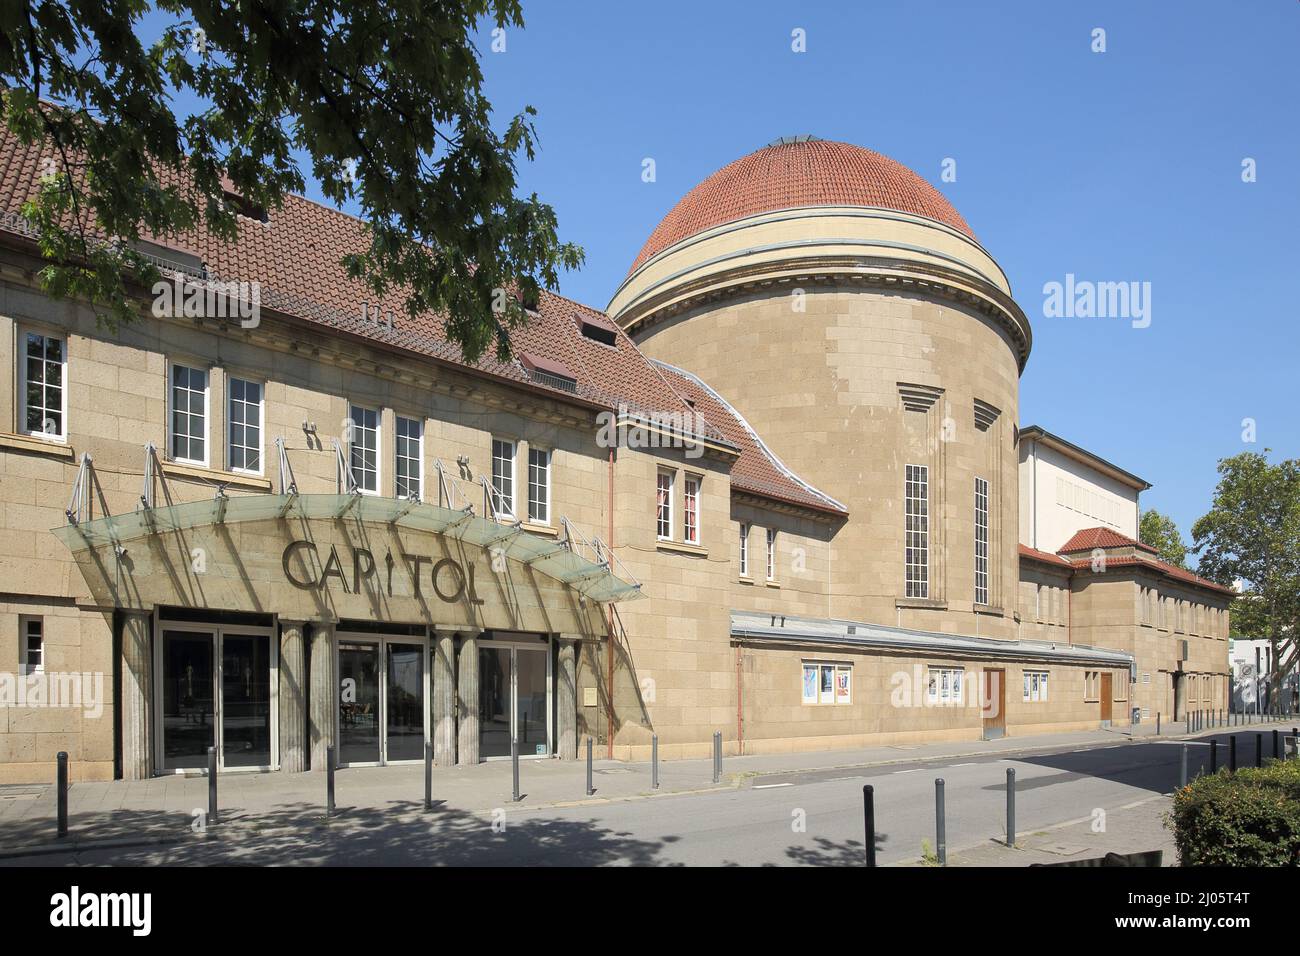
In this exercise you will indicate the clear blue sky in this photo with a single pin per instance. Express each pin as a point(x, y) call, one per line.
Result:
point(1115, 166)
point(1123, 165)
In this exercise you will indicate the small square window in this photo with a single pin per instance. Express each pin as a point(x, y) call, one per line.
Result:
point(32, 643)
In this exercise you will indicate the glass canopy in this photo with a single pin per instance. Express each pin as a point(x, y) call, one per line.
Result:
point(556, 559)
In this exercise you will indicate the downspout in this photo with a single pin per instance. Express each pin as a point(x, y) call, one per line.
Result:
point(609, 616)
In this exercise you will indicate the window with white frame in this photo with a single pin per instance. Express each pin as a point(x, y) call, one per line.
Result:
point(916, 496)
point(744, 549)
point(945, 685)
point(1035, 686)
point(42, 388)
point(539, 485)
point(244, 426)
point(408, 444)
point(363, 448)
point(664, 506)
point(691, 510)
point(189, 407)
point(503, 477)
point(771, 554)
point(31, 635)
point(981, 541)
point(827, 683)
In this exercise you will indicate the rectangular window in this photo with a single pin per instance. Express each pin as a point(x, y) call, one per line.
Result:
point(744, 549)
point(539, 485)
point(409, 445)
point(1035, 686)
point(827, 683)
point(244, 414)
point(981, 541)
point(363, 448)
point(189, 398)
point(42, 393)
point(31, 632)
point(664, 506)
point(945, 685)
point(503, 477)
point(916, 496)
point(771, 554)
point(691, 511)
point(1091, 685)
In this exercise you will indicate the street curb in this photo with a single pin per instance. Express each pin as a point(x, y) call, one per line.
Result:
point(77, 845)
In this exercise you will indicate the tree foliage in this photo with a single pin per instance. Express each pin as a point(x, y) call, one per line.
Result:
point(1252, 535)
point(1162, 533)
point(384, 99)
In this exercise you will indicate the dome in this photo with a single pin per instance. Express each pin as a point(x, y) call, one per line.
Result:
point(799, 171)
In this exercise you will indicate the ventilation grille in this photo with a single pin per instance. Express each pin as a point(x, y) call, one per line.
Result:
point(985, 415)
point(918, 398)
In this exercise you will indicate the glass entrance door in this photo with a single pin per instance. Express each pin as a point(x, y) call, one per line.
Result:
point(358, 703)
point(214, 690)
point(188, 711)
point(383, 700)
point(246, 700)
point(514, 699)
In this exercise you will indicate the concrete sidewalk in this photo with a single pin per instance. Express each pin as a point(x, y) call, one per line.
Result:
point(165, 809)
point(1133, 828)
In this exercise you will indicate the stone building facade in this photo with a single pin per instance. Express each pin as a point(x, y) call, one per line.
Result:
point(772, 491)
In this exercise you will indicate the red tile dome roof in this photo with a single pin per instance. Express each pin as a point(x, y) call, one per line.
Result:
point(800, 171)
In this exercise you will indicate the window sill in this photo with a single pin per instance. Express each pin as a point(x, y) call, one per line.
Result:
point(545, 530)
point(678, 547)
point(989, 610)
point(234, 479)
point(773, 584)
point(927, 604)
point(745, 579)
point(41, 446)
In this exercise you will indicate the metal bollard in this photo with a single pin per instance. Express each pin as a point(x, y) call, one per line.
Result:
point(1011, 806)
point(654, 761)
point(717, 756)
point(1157, 723)
point(1182, 773)
point(329, 781)
point(940, 834)
point(869, 822)
point(1232, 754)
point(590, 788)
point(428, 775)
point(1214, 756)
point(61, 782)
point(1259, 750)
point(212, 786)
point(514, 764)
point(1275, 752)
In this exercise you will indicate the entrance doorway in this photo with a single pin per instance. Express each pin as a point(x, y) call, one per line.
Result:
point(1106, 678)
point(216, 688)
point(383, 700)
point(514, 698)
point(993, 703)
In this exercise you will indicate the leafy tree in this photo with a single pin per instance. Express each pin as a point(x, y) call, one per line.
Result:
point(1252, 535)
point(384, 99)
point(1161, 533)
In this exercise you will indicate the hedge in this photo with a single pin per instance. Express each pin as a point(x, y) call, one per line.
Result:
point(1247, 818)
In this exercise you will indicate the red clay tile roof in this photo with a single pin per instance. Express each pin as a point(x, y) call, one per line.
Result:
point(758, 470)
point(296, 254)
point(1090, 538)
point(1044, 556)
point(806, 172)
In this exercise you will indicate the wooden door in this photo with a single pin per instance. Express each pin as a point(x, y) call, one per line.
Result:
point(1105, 695)
point(993, 701)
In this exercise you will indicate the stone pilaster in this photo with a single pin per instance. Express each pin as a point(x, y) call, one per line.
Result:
point(467, 702)
point(324, 694)
point(566, 700)
point(293, 697)
point(443, 715)
point(136, 704)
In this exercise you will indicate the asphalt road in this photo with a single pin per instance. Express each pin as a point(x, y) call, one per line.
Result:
point(806, 818)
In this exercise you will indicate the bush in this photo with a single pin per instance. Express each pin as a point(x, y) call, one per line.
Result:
point(1247, 818)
